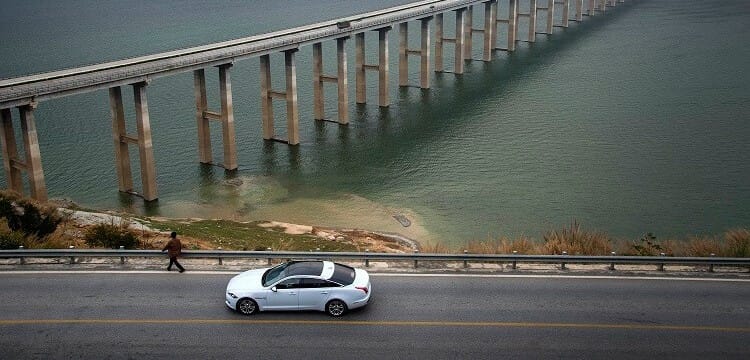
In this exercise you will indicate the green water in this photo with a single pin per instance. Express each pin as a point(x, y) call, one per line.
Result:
point(633, 121)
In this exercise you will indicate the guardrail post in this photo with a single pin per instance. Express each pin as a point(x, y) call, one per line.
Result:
point(269, 259)
point(711, 266)
point(72, 258)
point(514, 265)
point(612, 265)
point(562, 265)
point(416, 262)
point(220, 260)
point(466, 263)
point(367, 260)
point(21, 260)
point(661, 266)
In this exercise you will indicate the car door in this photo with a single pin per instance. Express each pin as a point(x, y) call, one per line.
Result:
point(285, 296)
point(314, 293)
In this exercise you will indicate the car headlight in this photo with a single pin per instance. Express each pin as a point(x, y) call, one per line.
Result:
point(233, 296)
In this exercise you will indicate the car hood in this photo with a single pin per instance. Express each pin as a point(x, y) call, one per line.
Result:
point(247, 280)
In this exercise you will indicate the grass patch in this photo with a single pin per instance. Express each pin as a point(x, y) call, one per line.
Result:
point(232, 235)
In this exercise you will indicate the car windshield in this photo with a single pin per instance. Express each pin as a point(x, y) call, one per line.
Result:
point(281, 271)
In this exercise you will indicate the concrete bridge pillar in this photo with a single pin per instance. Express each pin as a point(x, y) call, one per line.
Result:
point(579, 10)
point(468, 32)
point(142, 139)
point(603, 5)
point(550, 16)
point(512, 24)
point(290, 96)
point(423, 53)
point(226, 116)
point(490, 29)
point(340, 80)
point(532, 20)
point(32, 163)
point(10, 152)
point(565, 13)
point(592, 7)
point(439, 43)
point(459, 40)
point(381, 67)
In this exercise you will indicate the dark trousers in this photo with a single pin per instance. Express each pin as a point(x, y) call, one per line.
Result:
point(173, 260)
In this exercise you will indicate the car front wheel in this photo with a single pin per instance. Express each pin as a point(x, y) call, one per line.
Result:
point(336, 308)
point(247, 307)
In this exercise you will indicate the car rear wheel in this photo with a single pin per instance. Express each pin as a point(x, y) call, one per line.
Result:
point(336, 308)
point(247, 306)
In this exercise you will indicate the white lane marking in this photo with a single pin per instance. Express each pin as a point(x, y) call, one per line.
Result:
point(553, 276)
point(374, 274)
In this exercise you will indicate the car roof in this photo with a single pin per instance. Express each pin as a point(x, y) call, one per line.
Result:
point(310, 268)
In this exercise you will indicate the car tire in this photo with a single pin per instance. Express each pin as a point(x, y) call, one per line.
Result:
point(336, 308)
point(247, 306)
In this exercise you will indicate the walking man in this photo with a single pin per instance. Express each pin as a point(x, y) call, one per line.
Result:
point(175, 249)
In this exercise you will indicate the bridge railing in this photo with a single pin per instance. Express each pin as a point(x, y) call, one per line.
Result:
point(366, 257)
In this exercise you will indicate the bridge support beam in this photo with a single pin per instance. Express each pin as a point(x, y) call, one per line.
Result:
point(142, 139)
point(226, 116)
point(565, 13)
point(32, 163)
point(532, 20)
point(439, 43)
point(340, 80)
point(459, 40)
point(423, 53)
point(512, 24)
point(290, 96)
point(381, 67)
point(550, 9)
point(490, 29)
point(579, 10)
point(468, 38)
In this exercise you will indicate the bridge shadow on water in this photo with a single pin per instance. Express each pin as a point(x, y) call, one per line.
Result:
point(376, 137)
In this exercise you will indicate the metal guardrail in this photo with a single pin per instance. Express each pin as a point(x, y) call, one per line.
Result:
point(366, 257)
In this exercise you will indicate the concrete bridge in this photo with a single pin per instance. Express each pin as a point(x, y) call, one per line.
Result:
point(25, 93)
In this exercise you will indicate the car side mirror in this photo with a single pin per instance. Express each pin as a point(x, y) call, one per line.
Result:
point(273, 289)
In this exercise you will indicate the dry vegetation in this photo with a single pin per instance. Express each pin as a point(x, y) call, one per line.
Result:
point(26, 223)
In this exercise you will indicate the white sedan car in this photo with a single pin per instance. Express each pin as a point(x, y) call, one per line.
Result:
point(300, 285)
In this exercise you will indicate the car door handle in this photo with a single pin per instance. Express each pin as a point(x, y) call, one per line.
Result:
point(324, 292)
point(292, 293)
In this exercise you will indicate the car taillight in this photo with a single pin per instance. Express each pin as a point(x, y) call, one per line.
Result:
point(363, 288)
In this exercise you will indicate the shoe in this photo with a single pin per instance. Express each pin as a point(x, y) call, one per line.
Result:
point(169, 269)
point(182, 270)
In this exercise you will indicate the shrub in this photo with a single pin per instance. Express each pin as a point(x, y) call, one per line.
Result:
point(28, 216)
point(110, 236)
point(703, 246)
point(575, 241)
point(737, 243)
point(645, 246)
point(10, 239)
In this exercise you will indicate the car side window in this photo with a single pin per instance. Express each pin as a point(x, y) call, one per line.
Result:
point(318, 283)
point(292, 283)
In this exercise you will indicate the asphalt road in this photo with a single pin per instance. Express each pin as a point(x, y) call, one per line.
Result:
point(182, 316)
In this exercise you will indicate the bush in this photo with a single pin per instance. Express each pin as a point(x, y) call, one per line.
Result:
point(738, 243)
point(110, 236)
point(645, 246)
point(575, 241)
point(9, 239)
point(28, 216)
